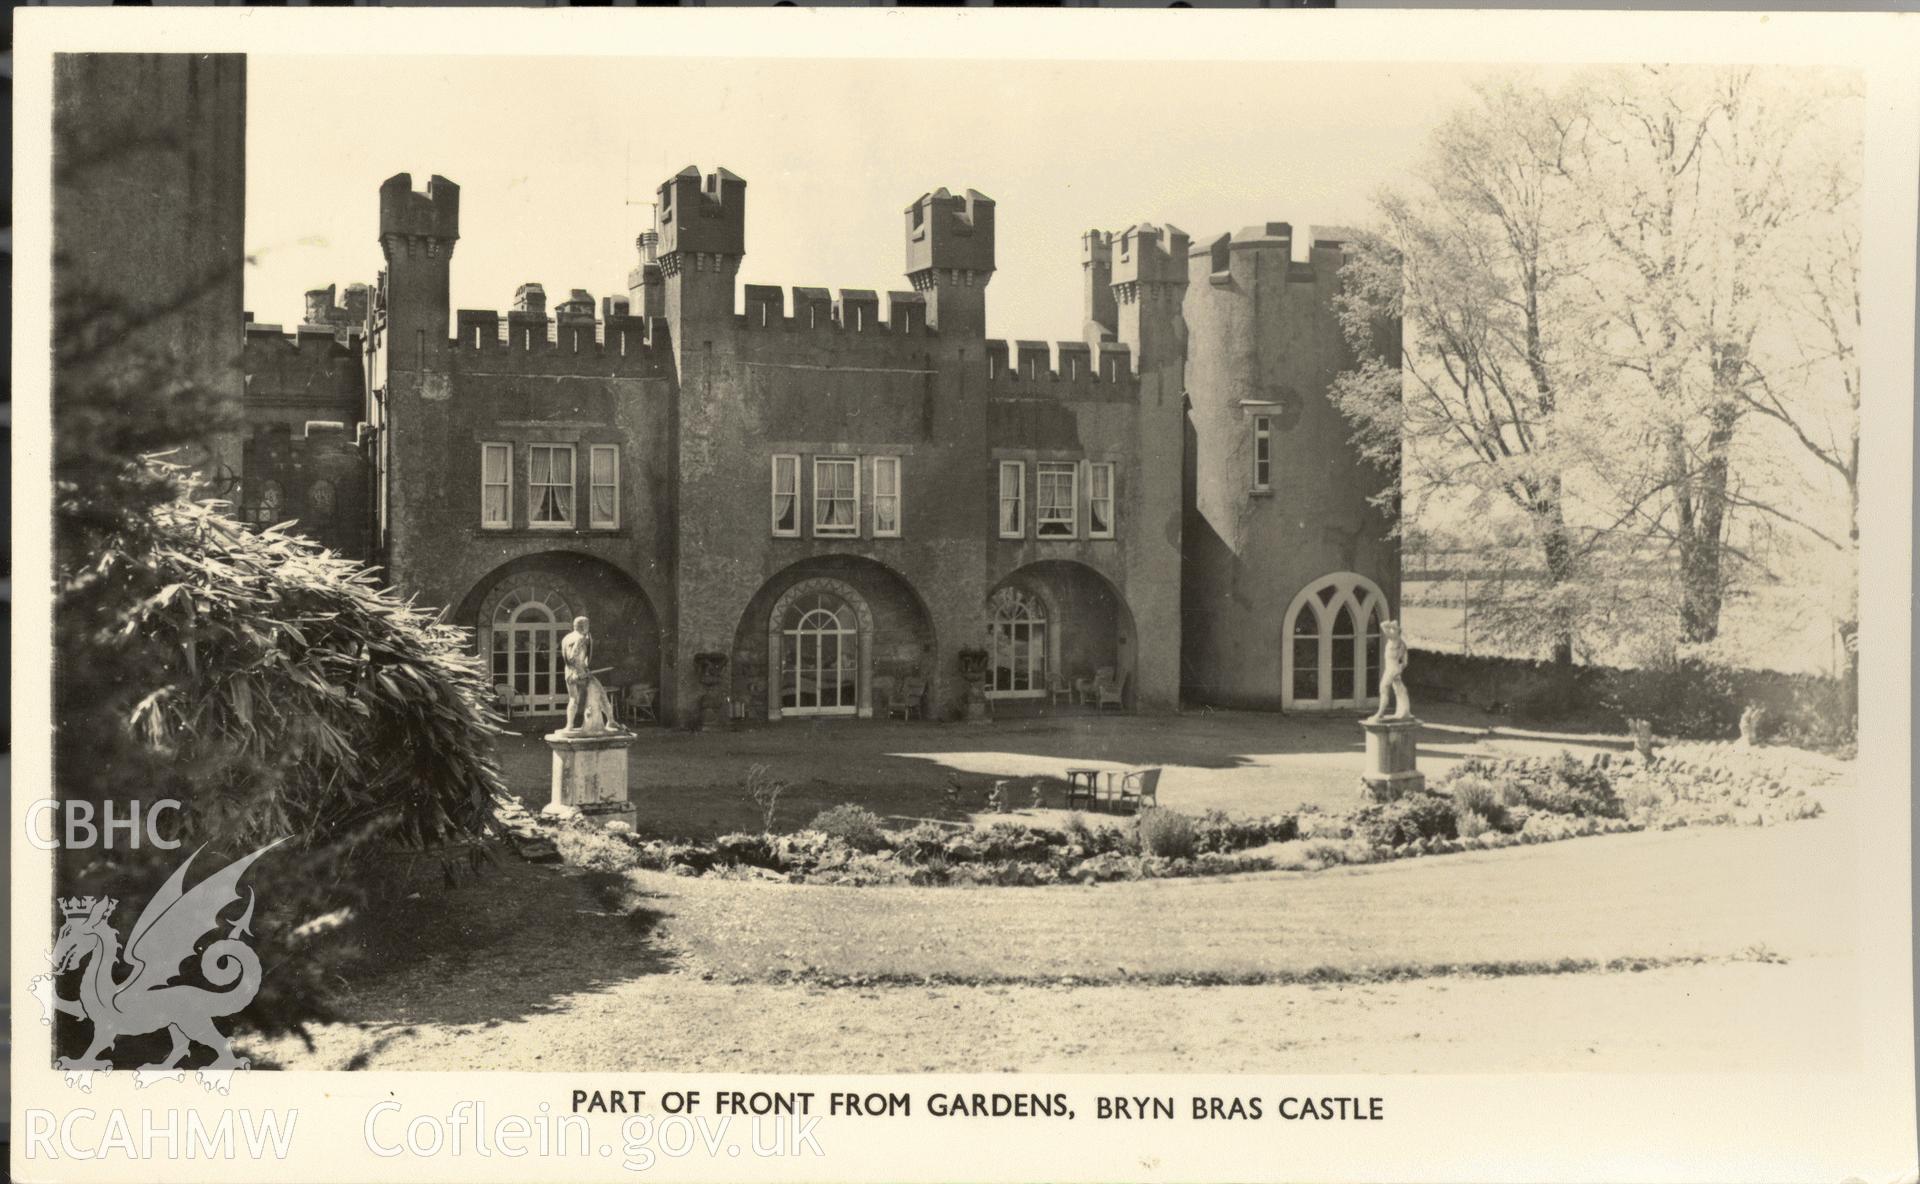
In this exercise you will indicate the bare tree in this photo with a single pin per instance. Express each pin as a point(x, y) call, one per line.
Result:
point(1725, 207)
point(1629, 307)
point(1475, 264)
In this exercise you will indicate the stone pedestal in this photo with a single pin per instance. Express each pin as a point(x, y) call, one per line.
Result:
point(1391, 758)
point(590, 777)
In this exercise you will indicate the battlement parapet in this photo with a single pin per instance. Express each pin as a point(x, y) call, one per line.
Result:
point(318, 342)
point(1324, 257)
point(409, 213)
point(634, 341)
point(702, 215)
point(856, 310)
point(1080, 372)
point(949, 232)
point(1148, 254)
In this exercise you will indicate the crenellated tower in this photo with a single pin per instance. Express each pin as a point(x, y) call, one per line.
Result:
point(417, 234)
point(950, 259)
point(1149, 285)
point(703, 237)
point(1096, 288)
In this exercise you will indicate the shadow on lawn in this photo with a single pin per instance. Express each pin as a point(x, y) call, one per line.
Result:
point(512, 941)
point(689, 786)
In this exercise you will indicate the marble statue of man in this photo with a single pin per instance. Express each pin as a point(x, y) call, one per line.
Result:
point(576, 651)
point(1393, 665)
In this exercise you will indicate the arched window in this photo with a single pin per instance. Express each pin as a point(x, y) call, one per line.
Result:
point(1332, 644)
point(320, 502)
point(1342, 656)
point(1017, 641)
point(526, 652)
point(819, 658)
point(1305, 643)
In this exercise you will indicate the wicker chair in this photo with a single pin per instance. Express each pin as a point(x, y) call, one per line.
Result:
point(1141, 787)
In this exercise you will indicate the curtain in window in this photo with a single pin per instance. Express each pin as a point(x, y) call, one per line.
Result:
point(1055, 499)
point(786, 493)
point(493, 482)
point(833, 495)
point(1100, 499)
point(605, 485)
point(1010, 499)
point(886, 496)
point(552, 480)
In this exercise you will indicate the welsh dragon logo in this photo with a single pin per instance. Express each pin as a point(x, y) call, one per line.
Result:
point(146, 998)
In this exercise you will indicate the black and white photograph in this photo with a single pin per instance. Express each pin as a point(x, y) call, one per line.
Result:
point(1158, 597)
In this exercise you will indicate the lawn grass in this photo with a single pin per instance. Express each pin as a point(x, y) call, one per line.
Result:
point(1723, 892)
point(688, 786)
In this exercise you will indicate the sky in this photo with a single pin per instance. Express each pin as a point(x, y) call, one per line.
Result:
point(559, 158)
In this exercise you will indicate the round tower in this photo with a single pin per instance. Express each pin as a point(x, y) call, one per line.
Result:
point(417, 234)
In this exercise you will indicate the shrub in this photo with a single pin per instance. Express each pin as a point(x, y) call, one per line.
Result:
point(1563, 785)
point(1166, 833)
point(1077, 830)
point(750, 849)
point(1018, 843)
point(1574, 787)
point(856, 826)
point(1470, 824)
point(1416, 816)
point(1481, 798)
point(1217, 832)
point(923, 843)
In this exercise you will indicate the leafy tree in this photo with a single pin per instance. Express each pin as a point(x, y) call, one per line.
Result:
point(1479, 412)
point(1626, 384)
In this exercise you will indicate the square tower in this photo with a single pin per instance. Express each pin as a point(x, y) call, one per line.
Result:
point(950, 258)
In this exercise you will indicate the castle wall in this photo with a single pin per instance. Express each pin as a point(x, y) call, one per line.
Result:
point(149, 206)
point(701, 400)
point(500, 392)
point(812, 386)
point(302, 456)
point(1263, 340)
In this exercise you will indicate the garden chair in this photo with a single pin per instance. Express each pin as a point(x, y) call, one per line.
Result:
point(1057, 688)
point(917, 697)
point(636, 704)
point(503, 698)
point(1141, 787)
point(1083, 691)
point(1107, 688)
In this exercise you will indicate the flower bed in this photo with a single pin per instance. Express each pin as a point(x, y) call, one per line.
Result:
point(1480, 805)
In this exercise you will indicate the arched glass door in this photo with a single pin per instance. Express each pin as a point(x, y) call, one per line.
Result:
point(1306, 654)
point(819, 659)
point(1017, 639)
point(526, 658)
point(1331, 650)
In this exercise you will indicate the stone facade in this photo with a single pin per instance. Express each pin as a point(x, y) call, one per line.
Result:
point(838, 492)
point(304, 457)
point(149, 205)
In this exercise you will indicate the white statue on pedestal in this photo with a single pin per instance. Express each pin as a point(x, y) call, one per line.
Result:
point(1393, 665)
point(586, 698)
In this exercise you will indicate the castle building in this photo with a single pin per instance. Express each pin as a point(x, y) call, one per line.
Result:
point(304, 456)
point(800, 503)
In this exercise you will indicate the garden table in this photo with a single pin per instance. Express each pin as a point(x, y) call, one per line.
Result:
point(1090, 779)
